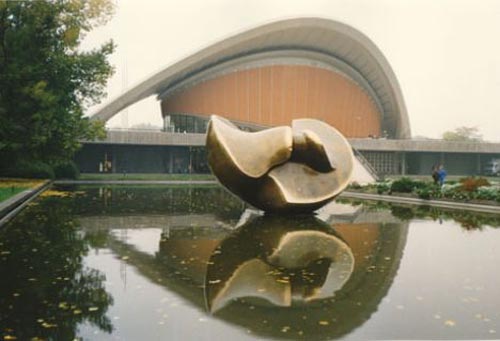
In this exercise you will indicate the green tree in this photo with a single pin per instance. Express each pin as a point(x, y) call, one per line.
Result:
point(46, 80)
point(470, 134)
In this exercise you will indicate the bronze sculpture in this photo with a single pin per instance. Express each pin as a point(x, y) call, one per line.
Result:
point(282, 169)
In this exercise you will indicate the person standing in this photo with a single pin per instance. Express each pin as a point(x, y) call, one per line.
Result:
point(441, 175)
point(435, 176)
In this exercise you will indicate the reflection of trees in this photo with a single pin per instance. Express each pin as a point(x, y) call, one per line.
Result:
point(467, 219)
point(46, 290)
point(116, 200)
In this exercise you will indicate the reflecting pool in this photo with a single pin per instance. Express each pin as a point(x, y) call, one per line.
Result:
point(195, 263)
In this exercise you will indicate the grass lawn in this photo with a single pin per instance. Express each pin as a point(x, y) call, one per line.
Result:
point(139, 176)
point(6, 193)
point(10, 187)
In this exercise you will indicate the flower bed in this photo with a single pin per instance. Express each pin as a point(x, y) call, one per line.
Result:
point(469, 189)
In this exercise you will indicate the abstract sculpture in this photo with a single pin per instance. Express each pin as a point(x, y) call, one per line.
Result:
point(283, 169)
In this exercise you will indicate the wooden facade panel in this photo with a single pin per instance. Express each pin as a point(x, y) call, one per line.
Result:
point(253, 96)
point(277, 106)
point(276, 94)
point(242, 95)
point(265, 95)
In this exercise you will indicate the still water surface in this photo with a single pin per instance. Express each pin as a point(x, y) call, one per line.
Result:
point(195, 263)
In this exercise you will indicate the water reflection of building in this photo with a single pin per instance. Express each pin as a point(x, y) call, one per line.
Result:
point(188, 256)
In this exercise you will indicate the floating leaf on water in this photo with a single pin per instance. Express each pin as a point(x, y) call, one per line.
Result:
point(323, 323)
point(215, 281)
point(49, 325)
point(285, 329)
point(64, 305)
point(9, 337)
point(124, 257)
point(16, 294)
point(93, 308)
point(449, 323)
point(77, 311)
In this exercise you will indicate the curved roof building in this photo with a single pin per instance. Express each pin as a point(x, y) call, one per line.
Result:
point(269, 75)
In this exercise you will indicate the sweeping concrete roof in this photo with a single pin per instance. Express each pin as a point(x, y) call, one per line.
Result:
point(322, 39)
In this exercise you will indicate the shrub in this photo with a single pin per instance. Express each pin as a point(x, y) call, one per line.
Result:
point(424, 193)
point(406, 185)
point(471, 184)
point(428, 191)
point(31, 169)
point(355, 185)
point(488, 193)
point(382, 187)
point(66, 170)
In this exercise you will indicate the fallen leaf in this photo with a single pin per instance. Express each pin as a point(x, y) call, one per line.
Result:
point(449, 323)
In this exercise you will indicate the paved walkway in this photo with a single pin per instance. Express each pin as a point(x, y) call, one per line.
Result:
point(10, 207)
point(418, 201)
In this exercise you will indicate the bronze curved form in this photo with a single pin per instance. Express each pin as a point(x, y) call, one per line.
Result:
point(282, 169)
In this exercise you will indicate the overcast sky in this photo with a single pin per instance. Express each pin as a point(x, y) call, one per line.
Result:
point(445, 53)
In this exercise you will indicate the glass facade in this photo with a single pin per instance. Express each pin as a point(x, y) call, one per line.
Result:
point(181, 123)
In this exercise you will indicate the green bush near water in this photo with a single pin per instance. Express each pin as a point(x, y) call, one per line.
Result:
point(467, 189)
point(30, 170)
point(66, 170)
point(407, 185)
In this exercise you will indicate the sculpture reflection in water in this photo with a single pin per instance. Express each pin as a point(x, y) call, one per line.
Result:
point(281, 169)
point(277, 274)
point(278, 260)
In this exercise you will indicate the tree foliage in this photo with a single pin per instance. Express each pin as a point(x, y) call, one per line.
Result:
point(470, 134)
point(46, 81)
